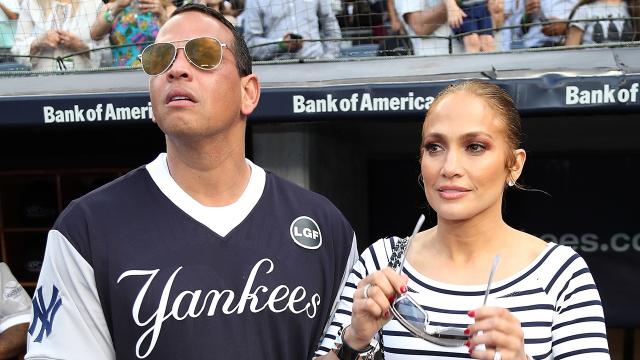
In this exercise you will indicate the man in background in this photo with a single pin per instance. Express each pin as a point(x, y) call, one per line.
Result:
point(292, 30)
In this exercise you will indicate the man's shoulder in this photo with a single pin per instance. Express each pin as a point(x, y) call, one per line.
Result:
point(109, 196)
point(282, 185)
point(299, 199)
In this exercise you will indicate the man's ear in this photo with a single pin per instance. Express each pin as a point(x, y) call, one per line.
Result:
point(250, 93)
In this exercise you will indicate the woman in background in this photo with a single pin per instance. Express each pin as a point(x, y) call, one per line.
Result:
point(130, 22)
point(50, 29)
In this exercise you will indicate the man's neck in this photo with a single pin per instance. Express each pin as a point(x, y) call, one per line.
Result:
point(214, 175)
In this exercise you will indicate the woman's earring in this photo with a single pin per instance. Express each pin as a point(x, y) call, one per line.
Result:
point(510, 183)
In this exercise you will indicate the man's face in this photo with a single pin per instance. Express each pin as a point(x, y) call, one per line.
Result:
point(190, 102)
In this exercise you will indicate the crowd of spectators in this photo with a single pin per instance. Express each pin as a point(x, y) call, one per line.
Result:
point(84, 34)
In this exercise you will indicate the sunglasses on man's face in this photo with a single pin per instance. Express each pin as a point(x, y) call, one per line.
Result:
point(411, 315)
point(205, 53)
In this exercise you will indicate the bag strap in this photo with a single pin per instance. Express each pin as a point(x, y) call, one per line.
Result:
point(397, 253)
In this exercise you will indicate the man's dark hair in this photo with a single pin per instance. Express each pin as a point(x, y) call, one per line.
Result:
point(238, 48)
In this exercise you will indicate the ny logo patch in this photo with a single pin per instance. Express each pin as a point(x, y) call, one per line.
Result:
point(44, 314)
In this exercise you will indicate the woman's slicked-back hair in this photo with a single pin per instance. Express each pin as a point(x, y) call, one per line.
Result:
point(499, 101)
point(239, 46)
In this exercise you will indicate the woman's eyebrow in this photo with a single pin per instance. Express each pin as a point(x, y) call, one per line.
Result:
point(475, 134)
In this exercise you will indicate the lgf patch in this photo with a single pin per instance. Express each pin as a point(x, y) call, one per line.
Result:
point(306, 232)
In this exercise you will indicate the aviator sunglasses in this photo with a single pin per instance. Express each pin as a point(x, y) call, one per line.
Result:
point(410, 314)
point(205, 53)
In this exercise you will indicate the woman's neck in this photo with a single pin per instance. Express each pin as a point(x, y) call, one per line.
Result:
point(463, 241)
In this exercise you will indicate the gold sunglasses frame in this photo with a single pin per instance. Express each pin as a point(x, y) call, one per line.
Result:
point(175, 54)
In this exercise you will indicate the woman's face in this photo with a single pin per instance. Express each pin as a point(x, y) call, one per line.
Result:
point(463, 162)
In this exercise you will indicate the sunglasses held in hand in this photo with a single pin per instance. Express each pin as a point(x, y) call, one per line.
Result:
point(411, 315)
point(205, 53)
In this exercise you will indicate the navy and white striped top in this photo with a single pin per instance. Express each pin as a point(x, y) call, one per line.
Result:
point(554, 298)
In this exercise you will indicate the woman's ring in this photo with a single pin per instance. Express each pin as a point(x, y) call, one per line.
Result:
point(497, 355)
point(366, 290)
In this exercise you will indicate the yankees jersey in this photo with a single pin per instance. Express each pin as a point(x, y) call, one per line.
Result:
point(554, 298)
point(140, 270)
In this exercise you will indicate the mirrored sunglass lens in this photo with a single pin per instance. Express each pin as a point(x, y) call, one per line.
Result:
point(410, 312)
point(206, 53)
point(156, 58)
point(453, 336)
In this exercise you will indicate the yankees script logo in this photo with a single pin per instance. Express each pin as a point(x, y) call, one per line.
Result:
point(279, 300)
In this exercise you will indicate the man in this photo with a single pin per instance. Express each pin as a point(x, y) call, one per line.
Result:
point(548, 12)
point(201, 254)
point(281, 31)
point(15, 314)
point(427, 18)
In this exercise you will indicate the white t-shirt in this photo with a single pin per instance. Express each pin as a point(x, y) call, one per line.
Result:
point(597, 31)
point(438, 46)
point(8, 27)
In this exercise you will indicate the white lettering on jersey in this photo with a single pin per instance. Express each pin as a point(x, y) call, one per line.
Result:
point(281, 293)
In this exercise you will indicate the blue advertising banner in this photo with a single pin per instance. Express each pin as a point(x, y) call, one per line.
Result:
point(548, 94)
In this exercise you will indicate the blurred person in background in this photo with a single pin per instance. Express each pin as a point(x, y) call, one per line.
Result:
point(473, 19)
point(634, 10)
point(394, 20)
point(506, 16)
point(15, 315)
point(291, 29)
point(51, 29)
point(611, 22)
point(427, 18)
point(130, 22)
point(8, 15)
point(225, 8)
point(361, 19)
point(498, 20)
point(544, 22)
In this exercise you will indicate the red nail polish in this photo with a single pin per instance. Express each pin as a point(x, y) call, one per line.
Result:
point(386, 314)
point(467, 343)
point(391, 298)
point(470, 350)
point(471, 313)
point(403, 289)
point(467, 331)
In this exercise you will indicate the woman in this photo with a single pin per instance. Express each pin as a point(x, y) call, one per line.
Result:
point(50, 29)
point(543, 302)
point(130, 22)
point(600, 21)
